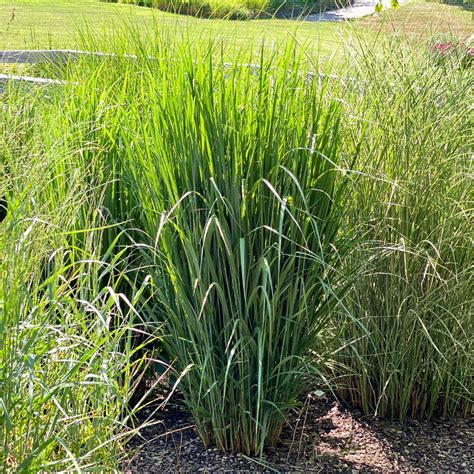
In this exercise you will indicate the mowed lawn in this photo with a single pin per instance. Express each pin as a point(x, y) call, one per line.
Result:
point(423, 19)
point(56, 24)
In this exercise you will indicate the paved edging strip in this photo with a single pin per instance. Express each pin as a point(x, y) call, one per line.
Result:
point(65, 55)
point(38, 56)
point(34, 80)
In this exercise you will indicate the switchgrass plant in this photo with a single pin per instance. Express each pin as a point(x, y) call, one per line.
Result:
point(246, 165)
point(411, 353)
point(67, 363)
point(232, 177)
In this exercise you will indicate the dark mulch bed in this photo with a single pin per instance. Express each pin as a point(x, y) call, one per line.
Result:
point(321, 437)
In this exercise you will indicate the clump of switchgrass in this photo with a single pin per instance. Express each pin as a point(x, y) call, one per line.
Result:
point(249, 164)
point(67, 364)
point(232, 177)
point(411, 352)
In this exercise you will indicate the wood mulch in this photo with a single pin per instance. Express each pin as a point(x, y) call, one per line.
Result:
point(320, 437)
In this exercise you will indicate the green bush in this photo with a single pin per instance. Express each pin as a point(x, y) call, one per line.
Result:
point(233, 9)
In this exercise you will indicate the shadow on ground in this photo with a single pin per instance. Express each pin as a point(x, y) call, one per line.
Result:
point(320, 437)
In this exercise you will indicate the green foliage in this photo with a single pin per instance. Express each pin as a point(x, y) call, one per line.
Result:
point(411, 353)
point(231, 174)
point(247, 236)
point(230, 9)
point(270, 225)
point(67, 365)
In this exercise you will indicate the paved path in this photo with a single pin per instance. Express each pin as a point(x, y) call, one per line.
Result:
point(359, 9)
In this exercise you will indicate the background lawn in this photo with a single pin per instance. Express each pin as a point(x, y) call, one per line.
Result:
point(422, 19)
point(55, 24)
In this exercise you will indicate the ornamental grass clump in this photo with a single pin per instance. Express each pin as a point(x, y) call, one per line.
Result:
point(247, 163)
point(232, 177)
point(238, 176)
point(410, 355)
point(68, 367)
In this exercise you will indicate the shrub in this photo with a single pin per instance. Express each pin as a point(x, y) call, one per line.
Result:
point(231, 9)
point(234, 9)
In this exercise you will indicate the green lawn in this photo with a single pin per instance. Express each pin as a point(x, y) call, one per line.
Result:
point(56, 23)
point(48, 23)
point(421, 19)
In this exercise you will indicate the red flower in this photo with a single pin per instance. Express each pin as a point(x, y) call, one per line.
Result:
point(442, 48)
